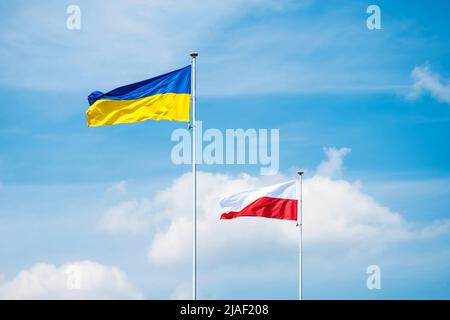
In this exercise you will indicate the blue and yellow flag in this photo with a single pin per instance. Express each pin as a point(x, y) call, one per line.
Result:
point(165, 97)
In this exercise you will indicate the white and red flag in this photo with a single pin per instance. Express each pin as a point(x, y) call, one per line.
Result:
point(277, 202)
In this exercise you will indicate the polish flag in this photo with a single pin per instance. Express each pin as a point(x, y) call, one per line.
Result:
point(277, 202)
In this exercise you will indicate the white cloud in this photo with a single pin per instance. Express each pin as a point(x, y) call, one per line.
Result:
point(126, 217)
point(333, 165)
point(435, 229)
point(38, 51)
point(182, 292)
point(341, 222)
point(119, 187)
point(47, 281)
point(268, 52)
point(427, 82)
point(336, 213)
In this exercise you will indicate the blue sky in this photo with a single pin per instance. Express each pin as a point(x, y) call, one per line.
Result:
point(309, 68)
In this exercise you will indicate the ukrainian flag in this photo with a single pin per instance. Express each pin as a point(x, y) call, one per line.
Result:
point(165, 97)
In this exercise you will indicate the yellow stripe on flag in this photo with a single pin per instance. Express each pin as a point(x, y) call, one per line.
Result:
point(166, 106)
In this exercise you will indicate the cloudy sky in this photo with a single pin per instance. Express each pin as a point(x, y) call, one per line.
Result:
point(365, 112)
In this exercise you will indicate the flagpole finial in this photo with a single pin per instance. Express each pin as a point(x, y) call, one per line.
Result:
point(300, 173)
point(194, 54)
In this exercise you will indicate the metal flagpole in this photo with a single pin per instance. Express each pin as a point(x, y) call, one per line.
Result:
point(194, 180)
point(300, 227)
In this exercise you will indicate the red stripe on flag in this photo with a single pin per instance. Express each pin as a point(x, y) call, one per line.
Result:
point(267, 207)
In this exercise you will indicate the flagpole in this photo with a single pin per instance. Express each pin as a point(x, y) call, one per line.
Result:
point(194, 178)
point(300, 227)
